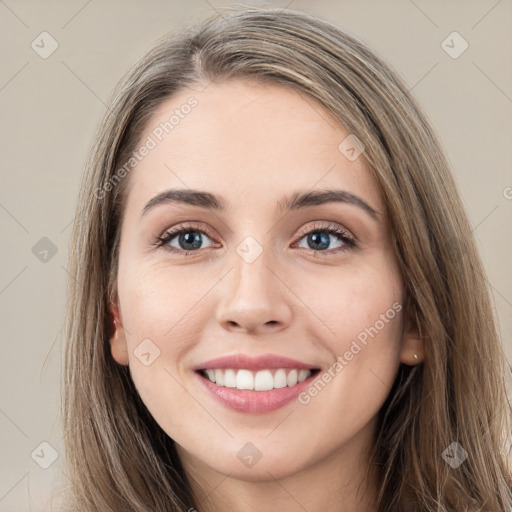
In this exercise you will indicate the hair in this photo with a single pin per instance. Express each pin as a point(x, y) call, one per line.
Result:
point(118, 458)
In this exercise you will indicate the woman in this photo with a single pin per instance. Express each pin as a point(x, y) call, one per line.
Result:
point(275, 297)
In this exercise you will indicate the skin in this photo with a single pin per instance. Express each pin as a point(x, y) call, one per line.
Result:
point(254, 145)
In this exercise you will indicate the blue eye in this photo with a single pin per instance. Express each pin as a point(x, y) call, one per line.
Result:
point(319, 239)
point(186, 239)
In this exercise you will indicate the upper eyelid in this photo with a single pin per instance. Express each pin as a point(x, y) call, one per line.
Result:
point(183, 227)
point(326, 226)
point(322, 224)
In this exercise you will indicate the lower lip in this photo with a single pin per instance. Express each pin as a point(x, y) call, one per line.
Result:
point(256, 401)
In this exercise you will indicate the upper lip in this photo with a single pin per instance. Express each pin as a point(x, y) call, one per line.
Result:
point(238, 361)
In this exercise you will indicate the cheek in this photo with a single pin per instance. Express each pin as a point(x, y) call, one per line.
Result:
point(360, 323)
point(158, 301)
point(354, 303)
point(163, 317)
point(364, 310)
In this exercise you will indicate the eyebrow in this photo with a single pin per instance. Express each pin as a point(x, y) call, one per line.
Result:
point(296, 201)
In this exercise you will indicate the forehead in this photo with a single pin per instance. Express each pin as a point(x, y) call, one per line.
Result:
point(246, 141)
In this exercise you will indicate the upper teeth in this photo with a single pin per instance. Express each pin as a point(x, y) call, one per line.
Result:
point(263, 380)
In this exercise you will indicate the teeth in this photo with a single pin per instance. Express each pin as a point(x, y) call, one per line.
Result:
point(230, 378)
point(303, 375)
point(279, 379)
point(244, 379)
point(291, 380)
point(263, 380)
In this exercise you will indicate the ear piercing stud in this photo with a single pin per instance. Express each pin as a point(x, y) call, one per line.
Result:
point(416, 356)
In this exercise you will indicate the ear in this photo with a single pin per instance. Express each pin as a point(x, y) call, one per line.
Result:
point(118, 344)
point(412, 351)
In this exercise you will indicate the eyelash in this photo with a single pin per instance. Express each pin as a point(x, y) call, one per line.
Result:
point(333, 229)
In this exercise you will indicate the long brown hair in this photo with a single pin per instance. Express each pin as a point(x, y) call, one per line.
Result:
point(118, 458)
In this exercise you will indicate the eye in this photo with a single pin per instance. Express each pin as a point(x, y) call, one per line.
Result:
point(319, 238)
point(184, 238)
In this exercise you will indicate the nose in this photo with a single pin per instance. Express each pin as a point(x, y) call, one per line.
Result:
point(256, 299)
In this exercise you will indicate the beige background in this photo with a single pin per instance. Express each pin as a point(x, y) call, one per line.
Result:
point(51, 107)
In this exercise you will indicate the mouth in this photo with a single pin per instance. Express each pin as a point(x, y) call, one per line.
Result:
point(259, 381)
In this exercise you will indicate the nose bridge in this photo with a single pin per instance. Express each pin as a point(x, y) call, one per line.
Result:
point(253, 280)
point(251, 264)
point(255, 298)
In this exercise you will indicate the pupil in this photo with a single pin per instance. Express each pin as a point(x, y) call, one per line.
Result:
point(320, 241)
point(195, 240)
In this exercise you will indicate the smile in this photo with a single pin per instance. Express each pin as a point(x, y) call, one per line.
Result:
point(256, 392)
point(262, 380)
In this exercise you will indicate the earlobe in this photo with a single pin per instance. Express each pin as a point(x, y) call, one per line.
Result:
point(412, 351)
point(118, 344)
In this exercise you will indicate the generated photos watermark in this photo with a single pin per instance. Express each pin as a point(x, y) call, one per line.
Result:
point(151, 142)
point(343, 360)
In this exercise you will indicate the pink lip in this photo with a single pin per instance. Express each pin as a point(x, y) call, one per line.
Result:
point(256, 402)
point(268, 361)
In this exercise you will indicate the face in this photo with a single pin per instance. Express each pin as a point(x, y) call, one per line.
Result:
point(249, 272)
